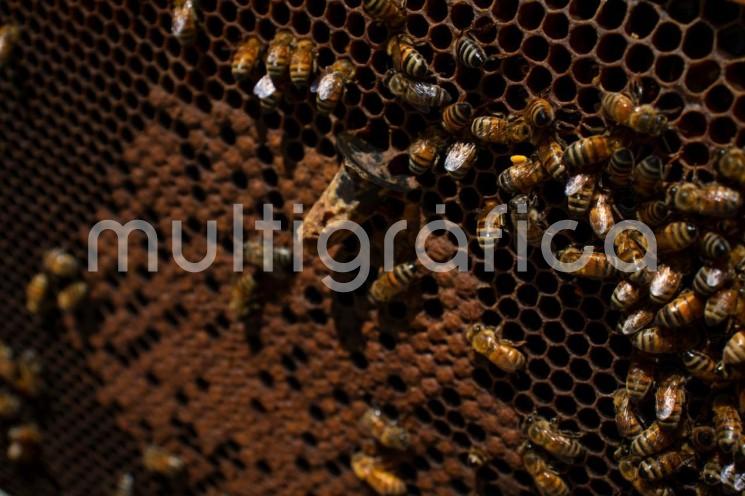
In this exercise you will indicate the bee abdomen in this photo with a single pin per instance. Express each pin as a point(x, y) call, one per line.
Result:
point(470, 52)
point(456, 117)
point(714, 246)
point(734, 350)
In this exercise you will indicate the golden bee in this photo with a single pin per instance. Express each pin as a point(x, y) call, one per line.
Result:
point(184, 21)
point(522, 176)
point(597, 267)
point(654, 439)
point(653, 213)
point(9, 36)
point(720, 306)
point(657, 340)
point(734, 350)
point(501, 130)
point(278, 55)
point(527, 220)
point(561, 444)
point(630, 471)
point(243, 297)
point(490, 225)
point(664, 285)
point(712, 471)
point(685, 309)
point(625, 295)
point(59, 263)
point(601, 214)
point(390, 284)
point(469, 52)
point(700, 365)
point(371, 470)
point(28, 376)
point(37, 293)
point(703, 438)
point(731, 164)
point(580, 190)
point(669, 400)
point(388, 433)
point(24, 443)
point(727, 424)
point(280, 256)
point(246, 58)
point(635, 321)
point(420, 95)
point(460, 158)
point(624, 110)
point(330, 88)
point(551, 155)
point(424, 151)
point(639, 379)
point(709, 280)
point(676, 236)
point(627, 423)
point(710, 200)
point(620, 167)
point(631, 248)
point(267, 93)
point(406, 58)
point(545, 478)
point(456, 117)
point(71, 296)
point(539, 113)
point(10, 405)
point(489, 342)
point(666, 464)
point(713, 246)
point(159, 461)
point(390, 12)
point(302, 62)
point(590, 151)
point(647, 175)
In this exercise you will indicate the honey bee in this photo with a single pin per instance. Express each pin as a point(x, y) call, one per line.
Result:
point(597, 267)
point(685, 309)
point(627, 422)
point(37, 293)
point(666, 464)
point(390, 12)
point(630, 471)
point(647, 175)
point(635, 321)
point(460, 158)
point(330, 88)
point(59, 263)
point(370, 469)
point(539, 113)
point(703, 438)
point(184, 21)
point(653, 213)
point(406, 59)
point(125, 485)
point(534, 221)
point(24, 443)
point(631, 249)
point(522, 176)
point(501, 130)
point(281, 256)
point(658, 340)
point(620, 167)
point(424, 151)
point(469, 52)
point(731, 163)
point(589, 151)
point(720, 306)
point(278, 55)
point(727, 424)
point(601, 215)
point(551, 155)
point(676, 236)
point(420, 95)
point(27, 379)
point(664, 284)
point(10, 405)
point(545, 478)
point(580, 190)
point(489, 229)
point(734, 350)
point(654, 439)
point(243, 296)
point(625, 295)
point(732, 479)
point(709, 280)
point(712, 471)
point(501, 352)
point(669, 400)
point(700, 365)
point(71, 296)
point(624, 110)
point(710, 200)
point(713, 246)
point(245, 58)
point(302, 63)
point(561, 444)
point(9, 36)
point(390, 284)
point(268, 94)
point(456, 117)
point(388, 433)
point(159, 461)
point(639, 380)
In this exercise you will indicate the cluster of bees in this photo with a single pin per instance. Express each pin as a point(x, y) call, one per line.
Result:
point(58, 284)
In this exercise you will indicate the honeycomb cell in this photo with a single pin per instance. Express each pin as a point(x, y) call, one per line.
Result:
point(530, 15)
point(701, 76)
point(669, 68)
point(583, 38)
point(556, 26)
point(692, 124)
point(611, 47)
point(698, 41)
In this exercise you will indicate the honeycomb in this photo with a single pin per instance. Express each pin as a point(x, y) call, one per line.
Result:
point(105, 115)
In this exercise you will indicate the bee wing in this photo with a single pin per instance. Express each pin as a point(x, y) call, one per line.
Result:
point(328, 84)
point(426, 92)
point(314, 84)
point(265, 87)
point(664, 403)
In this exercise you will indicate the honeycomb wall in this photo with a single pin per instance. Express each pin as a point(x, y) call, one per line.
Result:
point(105, 115)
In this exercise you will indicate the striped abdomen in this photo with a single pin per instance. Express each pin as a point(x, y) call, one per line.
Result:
point(720, 306)
point(734, 351)
point(617, 107)
point(588, 151)
point(682, 311)
point(456, 117)
point(389, 284)
point(490, 128)
point(676, 236)
point(489, 227)
point(470, 53)
point(278, 57)
point(652, 440)
point(184, 21)
point(665, 465)
point(732, 165)
point(620, 166)
point(539, 113)
point(422, 156)
point(647, 175)
point(389, 11)
point(709, 280)
point(639, 380)
point(551, 155)
point(713, 245)
point(728, 425)
point(700, 365)
point(653, 213)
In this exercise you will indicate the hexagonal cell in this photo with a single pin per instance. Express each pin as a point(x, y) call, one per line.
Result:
point(698, 41)
point(642, 20)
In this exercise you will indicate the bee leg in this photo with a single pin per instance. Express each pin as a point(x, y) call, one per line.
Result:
point(592, 129)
